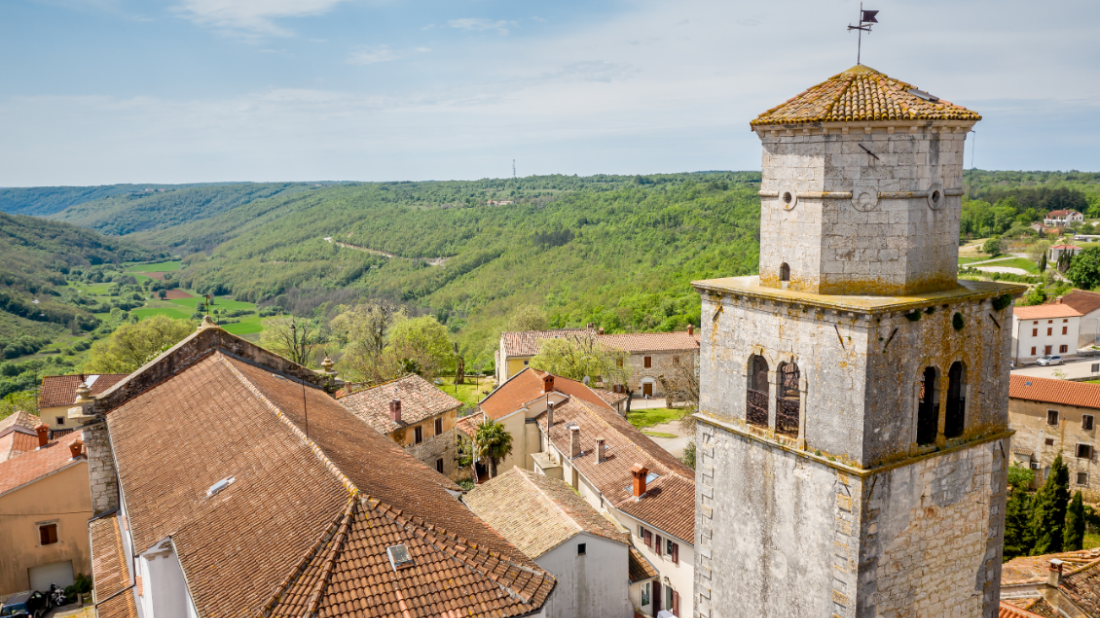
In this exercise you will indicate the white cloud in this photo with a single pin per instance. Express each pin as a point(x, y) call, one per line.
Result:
point(251, 18)
point(478, 24)
point(381, 53)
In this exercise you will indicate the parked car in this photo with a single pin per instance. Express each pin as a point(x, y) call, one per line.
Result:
point(31, 604)
point(1050, 360)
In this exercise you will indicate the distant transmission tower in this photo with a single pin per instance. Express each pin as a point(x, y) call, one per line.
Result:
point(513, 169)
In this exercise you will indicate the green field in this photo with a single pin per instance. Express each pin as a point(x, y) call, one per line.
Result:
point(654, 416)
point(219, 303)
point(967, 260)
point(1012, 262)
point(466, 393)
point(146, 312)
point(246, 326)
point(159, 267)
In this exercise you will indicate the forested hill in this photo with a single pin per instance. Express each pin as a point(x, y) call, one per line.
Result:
point(45, 201)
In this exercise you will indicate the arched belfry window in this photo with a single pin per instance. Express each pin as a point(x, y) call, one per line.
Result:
point(787, 400)
point(784, 272)
point(756, 410)
point(928, 407)
point(955, 416)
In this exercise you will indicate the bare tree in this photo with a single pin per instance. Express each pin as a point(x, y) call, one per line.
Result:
point(292, 338)
point(363, 329)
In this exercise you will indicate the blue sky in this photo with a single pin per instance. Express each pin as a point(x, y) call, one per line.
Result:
point(104, 91)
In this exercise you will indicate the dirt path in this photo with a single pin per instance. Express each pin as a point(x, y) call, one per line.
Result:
point(438, 261)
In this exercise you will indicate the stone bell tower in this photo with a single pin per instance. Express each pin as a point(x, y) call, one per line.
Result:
point(853, 419)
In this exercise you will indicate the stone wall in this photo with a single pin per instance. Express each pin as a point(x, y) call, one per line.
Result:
point(671, 365)
point(850, 222)
point(444, 446)
point(1036, 440)
point(102, 475)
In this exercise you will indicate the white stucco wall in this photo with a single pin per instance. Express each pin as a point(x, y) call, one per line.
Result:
point(1023, 340)
point(591, 585)
point(164, 589)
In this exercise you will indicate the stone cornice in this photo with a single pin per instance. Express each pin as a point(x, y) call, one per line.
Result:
point(872, 126)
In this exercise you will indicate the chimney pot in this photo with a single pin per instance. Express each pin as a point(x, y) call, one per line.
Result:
point(75, 448)
point(1054, 577)
point(43, 435)
point(548, 383)
point(691, 329)
point(601, 330)
point(599, 451)
point(575, 442)
point(639, 472)
point(395, 410)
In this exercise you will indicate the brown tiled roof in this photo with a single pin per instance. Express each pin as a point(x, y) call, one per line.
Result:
point(1007, 610)
point(1043, 312)
point(526, 343)
point(61, 390)
point(640, 568)
point(526, 386)
point(110, 569)
point(1054, 214)
point(669, 502)
point(1032, 569)
point(468, 424)
point(1084, 302)
point(537, 513)
point(611, 398)
point(420, 400)
point(16, 442)
point(860, 94)
point(26, 420)
point(651, 342)
point(1049, 390)
point(33, 465)
point(317, 498)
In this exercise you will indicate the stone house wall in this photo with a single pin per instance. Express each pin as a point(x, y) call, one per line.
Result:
point(670, 364)
point(433, 447)
point(102, 476)
point(1037, 440)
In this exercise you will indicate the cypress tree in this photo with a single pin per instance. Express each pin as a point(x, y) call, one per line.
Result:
point(1074, 538)
point(1043, 264)
point(1048, 518)
point(1018, 537)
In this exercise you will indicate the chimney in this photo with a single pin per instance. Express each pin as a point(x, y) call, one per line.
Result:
point(600, 331)
point(395, 410)
point(639, 471)
point(43, 435)
point(575, 442)
point(549, 416)
point(691, 329)
point(1054, 577)
point(75, 448)
point(548, 383)
point(599, 451)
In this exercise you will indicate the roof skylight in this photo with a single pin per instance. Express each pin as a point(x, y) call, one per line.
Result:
point(220, 486)
point(399, 557)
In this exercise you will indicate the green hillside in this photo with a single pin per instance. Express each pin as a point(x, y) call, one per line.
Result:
point(45, 201)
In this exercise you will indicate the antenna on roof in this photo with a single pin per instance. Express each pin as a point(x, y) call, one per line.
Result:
point(513, 169)
point(866, 19)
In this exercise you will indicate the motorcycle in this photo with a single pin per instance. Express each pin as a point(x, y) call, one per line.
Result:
point(56, 595)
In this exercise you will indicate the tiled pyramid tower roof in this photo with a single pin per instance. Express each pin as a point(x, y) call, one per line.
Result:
point(862, 93)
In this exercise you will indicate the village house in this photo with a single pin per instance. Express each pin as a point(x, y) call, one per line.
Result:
point(416, 415)
point(1051, 586)
point(586, 553)
point(1056, 416)
point(1062, 218)
point(1088, 305)
point(196, 460)
point(1055, 253)
point(45, 504)
point(653, 357)
point(58, 393)
point(1044, 330)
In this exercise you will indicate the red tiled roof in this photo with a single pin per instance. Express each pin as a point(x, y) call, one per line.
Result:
point(537, 513)
point(468, 424)
point(1043, 312)
point(1011, 611)
point(1084, 302)
point(110, 569)
point(611, 398)
point(526, 343)
point(15, 443)
point(1080, 577)
point(669, 502)
point(26, 420)
point(1066, 247)
point(1055, 214)
point(31, 466)
point(640, 569)
point(1049, 390)
point(61, 390)
point(526, 386)
point(651, 342)
point(317, 498)
point(420, 400)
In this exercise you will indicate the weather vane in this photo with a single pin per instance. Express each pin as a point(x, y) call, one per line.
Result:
point(866, 18)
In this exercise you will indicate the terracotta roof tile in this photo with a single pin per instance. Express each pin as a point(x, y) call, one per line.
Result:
point(536, 513)
point(1084, 302)
point(1030, 569)
point(860, 94)
point(651, 342)
point(26, 420)
point(526, 343)
point(1049, 390)
point(16, 442)
point(61, 390)
point(611, 398)
point(420, 400)
point(526, 386)
point(34, 465)
point(1055, 214)
point(1043, 312)
point(1008, 610)
point(669, 502)
point(640, 568)
point(467, 425)
point(110, 569)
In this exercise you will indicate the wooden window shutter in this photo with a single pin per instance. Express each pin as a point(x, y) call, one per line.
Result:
point(657, 549)
point(657, 593)
point(438, 426)
point(648, 362)
point(648, 537)
point(675, 553)
point(676, 602)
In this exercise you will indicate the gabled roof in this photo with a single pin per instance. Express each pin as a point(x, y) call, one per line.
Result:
point(1084, 302)
point(20, 419)
point(651, 342)
point(34, 465)
point(1049, 390)
point(420, 400)
point(537, 513)
point(526, 343)
point(1080, 578)
point(639, 568)
point(110, 568)
point(1054, 214)
point(860, 94)
point(16, 442)
point(1044, 312)
point(526, 386)
point(60, 391)
point(1008, 610)
point(669, 502)
point(316, 499)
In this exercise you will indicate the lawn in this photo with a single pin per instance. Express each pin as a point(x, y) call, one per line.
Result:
point(1014, 262)
point(660, 434)
point(159, 267)
point(172, 312)
point(655, 416)
point(466, 392)
point(219, 303)
point(967, 260)
point(247, 326)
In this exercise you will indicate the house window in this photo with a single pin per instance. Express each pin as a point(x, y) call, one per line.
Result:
point(1033, 350)
point(675, 360)
point(1086, 422)
point(618, 362)
point(1049, 442)
point(928, 407)
point(647, 536)
point(784, 272)
point(658, 544)
point(582, 549)
point(645, 594)
point(524, 363)
point(418, 435)
point(1063, 349)
point(1047, 349)
point(439, 466)
point(1082, 478)
point(1050, 331)
point(648, 362)
point(47, 534)
point(1084, 451)
point(59, 420)
point(672, 548)
point(1034, 333)
point(1052, 417)
point(1065, 330)
point(438, 426)
point(1065, 321)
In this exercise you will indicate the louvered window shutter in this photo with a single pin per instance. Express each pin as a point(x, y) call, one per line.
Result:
point(675, 553)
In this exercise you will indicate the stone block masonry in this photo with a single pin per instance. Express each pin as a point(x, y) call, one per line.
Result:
point(102, 475)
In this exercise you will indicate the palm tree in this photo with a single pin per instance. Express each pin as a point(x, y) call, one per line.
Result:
point(492, 441)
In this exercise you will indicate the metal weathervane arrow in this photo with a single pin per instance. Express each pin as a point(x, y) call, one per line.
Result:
point(866, 20)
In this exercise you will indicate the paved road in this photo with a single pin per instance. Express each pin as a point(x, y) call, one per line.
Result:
point(1073, 369)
